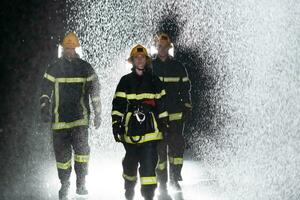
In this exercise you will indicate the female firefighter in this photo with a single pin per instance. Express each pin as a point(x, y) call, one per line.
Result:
point(139, 119)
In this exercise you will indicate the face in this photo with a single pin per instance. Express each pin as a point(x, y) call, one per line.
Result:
point(163, 49)
point(139, 61)
point(69, 52)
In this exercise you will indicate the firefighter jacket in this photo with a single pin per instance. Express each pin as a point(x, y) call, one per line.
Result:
point(68, 86)
point(177, 85)
point(138, 104)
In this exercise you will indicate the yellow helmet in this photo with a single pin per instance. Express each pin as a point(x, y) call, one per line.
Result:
point(70, 41)
point(162, 38)
point(138, 49)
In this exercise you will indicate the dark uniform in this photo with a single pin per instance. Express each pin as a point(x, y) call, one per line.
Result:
point(178, 103)
point(138, 106)
point(67, 87)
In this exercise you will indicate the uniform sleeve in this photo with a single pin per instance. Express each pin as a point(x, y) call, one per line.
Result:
point(160, 99)
point(94, 90)
point(185, 88)
point(47, 88)
point(119, 104)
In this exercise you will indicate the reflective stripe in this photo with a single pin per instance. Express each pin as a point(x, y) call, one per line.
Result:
point(163, 114)
point(188, 105)
point(185, 79)
point(129, 178)
point(175, 116)
point(120, 94)
point(91, 78)
point(64, 125)
point(146, 95)
point(65, 165)
point(56, 102)
point(162, 165)
point(71, 80)
point(115, 112)
point(150, 180)
point(96, 99)
point(176, 161)
point(45, 96)
point(49, 77)
point(84, 109)
point(81, 158)
point(145, 138)
point(170, 79)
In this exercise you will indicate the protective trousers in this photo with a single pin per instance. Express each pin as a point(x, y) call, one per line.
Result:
point(63, 141)
point(173, 147)
point(145, 155)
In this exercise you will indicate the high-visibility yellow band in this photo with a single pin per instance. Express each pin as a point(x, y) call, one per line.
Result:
point(81, 158)
point(120, 94)
point(188, 105)
point(185, 79)
point(176, 161)
point(162, 165)
point(170, 79)
point(163, 114)
point(129, 178)
point(115, 112)
point(65, 165)
point(49, 77)
point(149, 180)
point(175, 116)
point(65, 125)
point(91, 78)
point(145, 138)
point(114, 122)
point(71, 80)
point(96, 99)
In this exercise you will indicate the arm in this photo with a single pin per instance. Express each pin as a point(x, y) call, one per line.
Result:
point(119, 107)
point(94, 93)
point(186, 89)
point(46, 95)
point(163, 116)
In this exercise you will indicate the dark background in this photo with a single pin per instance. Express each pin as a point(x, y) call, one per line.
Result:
point(30, 31)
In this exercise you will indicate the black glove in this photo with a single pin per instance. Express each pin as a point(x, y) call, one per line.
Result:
point(118, 132)
point(97, 121)
point(45, 112)
point(187, 113)
point(164, 126)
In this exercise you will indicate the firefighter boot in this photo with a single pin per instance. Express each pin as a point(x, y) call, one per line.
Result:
point(80, 186)
point(129, 189)
point(64, 190)
point(163, 192)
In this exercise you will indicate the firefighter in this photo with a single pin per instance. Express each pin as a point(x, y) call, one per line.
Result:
point(67, 85)
point(139, 119)
point(178, 103)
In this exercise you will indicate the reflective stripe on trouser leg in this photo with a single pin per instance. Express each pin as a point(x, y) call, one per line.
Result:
point(130, 165)
point(63, 153)
point(82, 150)
point(148, 161)
point(161, 168)
point(176, 149)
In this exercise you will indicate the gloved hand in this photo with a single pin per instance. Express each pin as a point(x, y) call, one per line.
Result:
point(45, 112)
point(118, 132)
point(164, 126)
point(187, 113)
point(97, 121)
